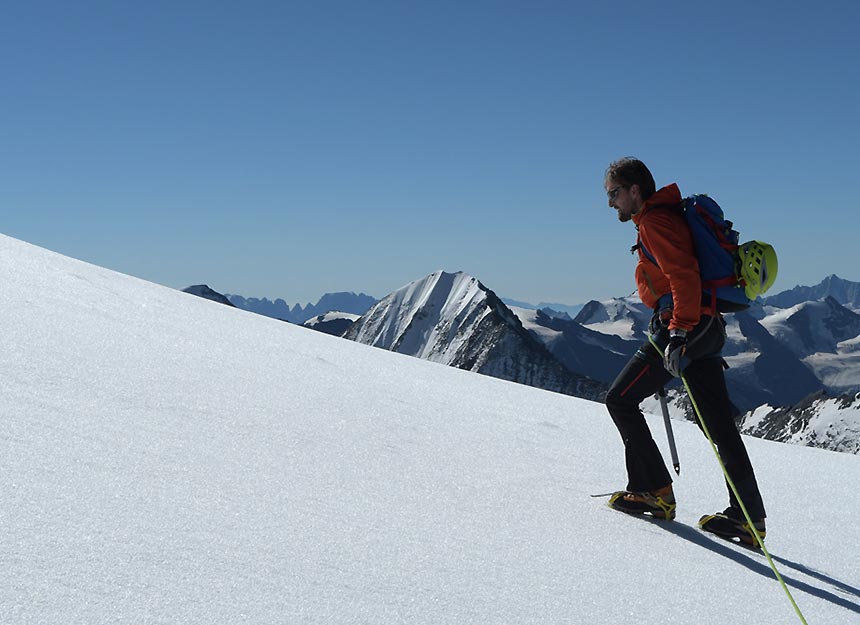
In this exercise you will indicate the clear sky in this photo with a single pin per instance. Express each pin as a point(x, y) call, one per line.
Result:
point(288, 149)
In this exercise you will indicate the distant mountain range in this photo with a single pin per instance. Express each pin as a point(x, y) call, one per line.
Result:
point(845, 292)
point(793, 357)
point(279, 309)
point(554, 310)
point(761, 369)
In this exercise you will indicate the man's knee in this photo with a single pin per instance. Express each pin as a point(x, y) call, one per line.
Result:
point(619, 405)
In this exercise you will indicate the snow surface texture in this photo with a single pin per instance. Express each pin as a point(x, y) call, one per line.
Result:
point(166, 459)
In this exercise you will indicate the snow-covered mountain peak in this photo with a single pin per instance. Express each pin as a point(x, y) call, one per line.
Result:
point(453, 319)
point(422, 318)
point(626, 317)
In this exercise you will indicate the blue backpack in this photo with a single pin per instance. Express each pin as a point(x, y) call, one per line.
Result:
point(716, 243)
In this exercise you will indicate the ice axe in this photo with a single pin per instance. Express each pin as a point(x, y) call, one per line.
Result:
point(671, 436)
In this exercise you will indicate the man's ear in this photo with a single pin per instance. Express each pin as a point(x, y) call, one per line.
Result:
point(636, 192)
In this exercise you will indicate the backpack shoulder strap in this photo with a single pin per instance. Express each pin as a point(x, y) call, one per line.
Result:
point(640, 247)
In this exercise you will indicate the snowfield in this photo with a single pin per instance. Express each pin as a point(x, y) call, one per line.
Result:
point(166, 459)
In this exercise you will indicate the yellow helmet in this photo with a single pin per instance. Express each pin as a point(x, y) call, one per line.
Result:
point(758, 267)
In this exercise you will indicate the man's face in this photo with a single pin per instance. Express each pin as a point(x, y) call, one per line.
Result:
point(623, 199)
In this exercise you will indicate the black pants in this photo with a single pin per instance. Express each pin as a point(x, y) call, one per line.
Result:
point(644, 375)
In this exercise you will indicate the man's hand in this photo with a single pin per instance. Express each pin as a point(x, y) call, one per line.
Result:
point(675, 351)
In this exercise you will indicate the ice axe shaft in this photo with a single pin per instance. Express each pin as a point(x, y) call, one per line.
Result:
point(669, 434)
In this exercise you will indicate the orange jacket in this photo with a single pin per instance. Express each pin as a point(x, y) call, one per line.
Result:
point(664, 232)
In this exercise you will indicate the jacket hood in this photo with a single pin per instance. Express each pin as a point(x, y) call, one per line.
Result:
point(670, 195)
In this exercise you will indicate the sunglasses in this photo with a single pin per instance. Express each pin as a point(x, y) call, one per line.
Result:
point(613, 192)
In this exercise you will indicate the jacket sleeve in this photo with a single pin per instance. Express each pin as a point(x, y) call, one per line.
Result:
point(666, 235)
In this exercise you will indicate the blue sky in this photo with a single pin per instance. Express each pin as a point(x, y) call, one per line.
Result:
point(288, 149)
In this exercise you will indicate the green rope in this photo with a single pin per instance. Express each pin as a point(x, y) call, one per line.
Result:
point(737, 495)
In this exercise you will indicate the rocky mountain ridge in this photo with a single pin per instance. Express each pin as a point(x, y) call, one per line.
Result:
point(455, 320)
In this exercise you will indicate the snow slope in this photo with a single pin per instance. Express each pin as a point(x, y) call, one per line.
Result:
point(166, 459)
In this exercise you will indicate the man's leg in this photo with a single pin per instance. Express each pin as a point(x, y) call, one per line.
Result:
point(708, 385)
point(644, 375)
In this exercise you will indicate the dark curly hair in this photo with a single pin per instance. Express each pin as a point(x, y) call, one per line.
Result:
point(628, 171)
